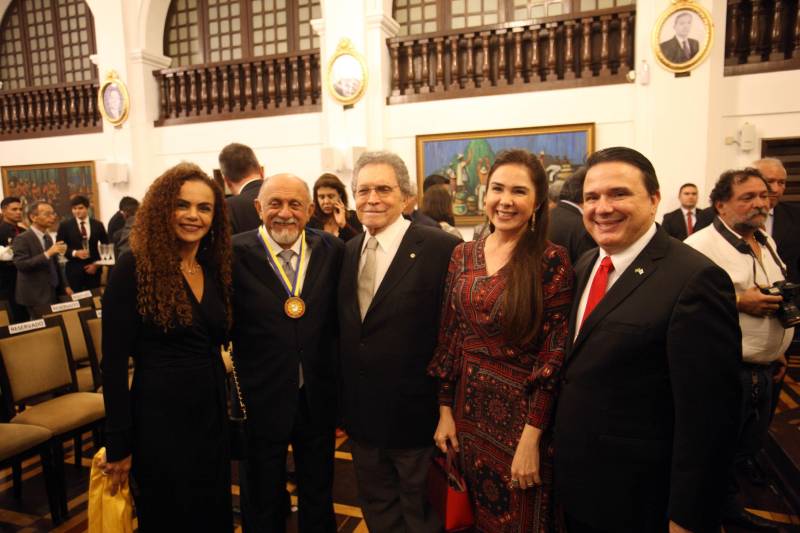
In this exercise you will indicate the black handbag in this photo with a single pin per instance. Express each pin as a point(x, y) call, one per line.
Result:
point(237, 418)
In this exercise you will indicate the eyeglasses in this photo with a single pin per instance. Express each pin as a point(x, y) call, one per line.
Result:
point(381, 190)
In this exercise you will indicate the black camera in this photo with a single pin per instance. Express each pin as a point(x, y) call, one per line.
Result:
point(787, 313)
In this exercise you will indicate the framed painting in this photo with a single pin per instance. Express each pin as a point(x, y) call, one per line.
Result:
point(682, 36)
point(57, 183)
point(465, 159)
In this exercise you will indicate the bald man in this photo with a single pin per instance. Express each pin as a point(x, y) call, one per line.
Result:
point(284, 338)
point(783, 222)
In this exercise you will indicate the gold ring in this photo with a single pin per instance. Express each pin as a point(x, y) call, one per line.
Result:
point(515, 483)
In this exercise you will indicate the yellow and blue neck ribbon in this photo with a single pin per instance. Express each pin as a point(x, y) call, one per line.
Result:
point(272, 257)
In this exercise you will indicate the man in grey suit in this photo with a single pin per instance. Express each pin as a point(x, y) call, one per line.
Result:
point(36, 257)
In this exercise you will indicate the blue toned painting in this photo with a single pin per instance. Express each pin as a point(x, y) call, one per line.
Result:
point(466, 162)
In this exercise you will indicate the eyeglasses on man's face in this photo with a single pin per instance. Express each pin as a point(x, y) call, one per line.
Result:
point(382, 191)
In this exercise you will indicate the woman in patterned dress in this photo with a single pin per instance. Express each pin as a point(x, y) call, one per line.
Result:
point(501, 345)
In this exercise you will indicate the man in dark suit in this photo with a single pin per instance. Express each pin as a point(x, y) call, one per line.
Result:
point(647, 415)
point(783, 222)
point(390, 296)
point(681, 48)
point(243, 175)
point(127, 206)
point(415, 215)
point(39, 278)
point(566, 218)
point(284, 351)
point(81, 235)
point(687, 218)
point(9, 229)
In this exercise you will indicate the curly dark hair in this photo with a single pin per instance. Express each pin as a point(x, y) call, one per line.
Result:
point(161, 294)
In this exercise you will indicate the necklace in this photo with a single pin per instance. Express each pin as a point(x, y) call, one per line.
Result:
point(191, 269)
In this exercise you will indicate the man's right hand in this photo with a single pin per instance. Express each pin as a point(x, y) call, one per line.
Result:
point(58, 248)
point(81, 254)
point(753, 302)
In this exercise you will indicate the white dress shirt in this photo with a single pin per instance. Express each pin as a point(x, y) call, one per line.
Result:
point(388, 243)
point(763, 337)
point(769, 224)
point(621, 262)
point(277, 248)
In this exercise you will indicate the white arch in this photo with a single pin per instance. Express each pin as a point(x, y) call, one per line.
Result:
point(151, 21)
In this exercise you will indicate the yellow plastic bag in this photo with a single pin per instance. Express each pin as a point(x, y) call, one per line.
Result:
point(107, 513)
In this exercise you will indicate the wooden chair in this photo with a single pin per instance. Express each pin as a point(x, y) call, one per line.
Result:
point(92, 327)
point(85, 373)
point(19, 442)
point(37, 376)
point(5, 313)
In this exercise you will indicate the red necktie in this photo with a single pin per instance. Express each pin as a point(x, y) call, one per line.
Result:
point(598, 288)
point(689, 223)
point(83, 229)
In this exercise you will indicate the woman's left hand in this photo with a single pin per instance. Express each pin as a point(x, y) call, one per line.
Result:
point(339, 213)
point(525, 465)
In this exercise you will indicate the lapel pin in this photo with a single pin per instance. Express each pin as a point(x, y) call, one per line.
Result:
point(639, 271)
point(412, 255)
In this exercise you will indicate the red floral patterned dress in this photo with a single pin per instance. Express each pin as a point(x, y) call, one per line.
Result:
point(495, 388)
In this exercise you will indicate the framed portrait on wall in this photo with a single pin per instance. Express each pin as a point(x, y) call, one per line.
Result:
point(682, 36)
point(112, 100)
point(56, 183)
point(465, 159)
point(347, 74)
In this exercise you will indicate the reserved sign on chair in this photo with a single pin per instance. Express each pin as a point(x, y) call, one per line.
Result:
point(13, 329)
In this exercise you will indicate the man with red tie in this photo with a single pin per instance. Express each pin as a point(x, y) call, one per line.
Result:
point(81, 235)
point(647, 415)
point(687, 218)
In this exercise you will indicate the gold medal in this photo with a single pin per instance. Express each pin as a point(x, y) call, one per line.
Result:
point(294, 307)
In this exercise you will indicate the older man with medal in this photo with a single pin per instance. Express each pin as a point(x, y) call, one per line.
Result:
point(284, 351)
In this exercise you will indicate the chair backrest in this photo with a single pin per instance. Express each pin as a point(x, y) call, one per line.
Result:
point(91, 323)
point(69, 311)
point(5, 314)
point(35, 359)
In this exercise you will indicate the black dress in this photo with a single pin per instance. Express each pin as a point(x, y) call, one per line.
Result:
point(173, 421)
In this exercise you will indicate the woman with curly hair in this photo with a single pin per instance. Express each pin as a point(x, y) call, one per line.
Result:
point(330, 209)
point(501, 346)
point(167, 305)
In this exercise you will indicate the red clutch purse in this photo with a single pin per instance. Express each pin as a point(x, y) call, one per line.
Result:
point(448, 494)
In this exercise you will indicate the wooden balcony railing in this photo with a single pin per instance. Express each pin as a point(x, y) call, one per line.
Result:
point(762, 36)
point(49, 111)
point(592, 48)
point(274, 85)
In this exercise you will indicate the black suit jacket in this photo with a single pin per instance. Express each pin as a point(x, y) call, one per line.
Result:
point(70, 233)
point(388, 400)
point(674, 222)
point(33, 271)
point(242, 210)
point(8, 273)
point(673, 52)
point(116, 223)
point(566, 228)
point(785, 231)
point(268, 346)
point(647, 417)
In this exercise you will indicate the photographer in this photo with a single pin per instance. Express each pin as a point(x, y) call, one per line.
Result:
point(736, 242)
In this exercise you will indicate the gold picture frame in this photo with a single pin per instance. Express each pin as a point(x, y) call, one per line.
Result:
point(113, 100)
point(346, 77)
point(56, 183)
point(682, 36)
point(465, 158)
